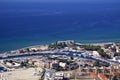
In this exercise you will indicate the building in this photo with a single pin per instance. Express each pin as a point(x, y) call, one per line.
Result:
point(68, 42)
point(63, 65)
point(42, 47)
point(96, 54)
point(55, 65)
point(59, 76)
point(102, 76)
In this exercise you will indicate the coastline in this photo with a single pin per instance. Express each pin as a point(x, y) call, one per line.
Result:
point(87, 42)
point(91, 42)
point(63, 53)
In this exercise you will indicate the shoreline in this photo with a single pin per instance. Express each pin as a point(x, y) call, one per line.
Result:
point(86, 42)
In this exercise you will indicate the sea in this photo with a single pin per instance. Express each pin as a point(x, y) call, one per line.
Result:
point(24, 24)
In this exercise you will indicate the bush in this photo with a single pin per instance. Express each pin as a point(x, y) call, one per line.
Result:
point(91, 47)
point(116, 54)
point(96, 64)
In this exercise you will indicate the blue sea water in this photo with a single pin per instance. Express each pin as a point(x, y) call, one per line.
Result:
point(24, 24)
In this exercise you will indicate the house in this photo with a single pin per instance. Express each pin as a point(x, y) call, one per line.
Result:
point(14, 64)
point(59, 76)
point(55, 65)
point(68, 42)
point(102, 76)
point(63, 65)
point(42, 47)
point(96, 54)
point(38, 64)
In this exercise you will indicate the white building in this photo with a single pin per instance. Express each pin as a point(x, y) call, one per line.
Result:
point(59, 76)
point(62, 64)
point(96, 54)
point(12, 64)
point(42, 47)
point(68, 42)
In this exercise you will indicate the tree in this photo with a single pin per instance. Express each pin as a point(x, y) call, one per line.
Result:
point(117, 54)
point(27, 49)
point(95, 48)
point(91, 47)
point(71, 58)
point(103, 54)
point(23, 64)
point(96, 64)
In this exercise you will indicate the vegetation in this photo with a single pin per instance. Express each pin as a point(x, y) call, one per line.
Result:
point(86, 47)
point(95, 48)
point(24, 64)
point(96, 64)
point(91, 47)
point(63, 60)
point(69, 63)
point(116, 78)
point(102, 53)
point(116, 54)
point(27, 50)
point(71, 58)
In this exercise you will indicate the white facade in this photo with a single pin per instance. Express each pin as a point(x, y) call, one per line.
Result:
point(62, 64)
point(96, 54)
point(43, 47)
point(59, 75)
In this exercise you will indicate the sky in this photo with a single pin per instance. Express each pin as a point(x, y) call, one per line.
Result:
point(59, 0)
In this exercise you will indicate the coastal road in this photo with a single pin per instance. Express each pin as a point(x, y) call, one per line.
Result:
point(105, 61)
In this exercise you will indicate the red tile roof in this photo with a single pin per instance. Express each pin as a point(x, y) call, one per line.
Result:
point(102, 76)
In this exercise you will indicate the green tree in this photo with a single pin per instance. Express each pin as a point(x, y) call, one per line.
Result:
point(27, 49)
point(23, 64)
point(117, 54)
point(96, 64)
point(71, 58)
